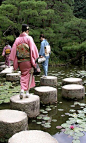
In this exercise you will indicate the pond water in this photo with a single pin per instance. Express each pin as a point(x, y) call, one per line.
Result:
point(53, 116)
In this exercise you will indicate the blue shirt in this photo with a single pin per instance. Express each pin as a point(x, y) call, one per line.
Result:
point(42, 50)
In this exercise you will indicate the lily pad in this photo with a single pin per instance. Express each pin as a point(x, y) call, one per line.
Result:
point(39, 117)
point(65, 125)
point(46, 118)
point(45, 112)
point(48, 109)
point(54, 120)
point(41, 110)
point(38, 123)
point(72, 110)
point(47, 126)
point(60, 109)
point(33, 121)
point(76, 141)
point(59, 127)
point(69, 132)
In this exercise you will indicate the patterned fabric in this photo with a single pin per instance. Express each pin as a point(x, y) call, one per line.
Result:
point(7, 51)
point(23, 52)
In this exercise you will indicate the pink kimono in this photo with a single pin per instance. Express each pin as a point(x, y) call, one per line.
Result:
point(7, 61)
point(25, 67)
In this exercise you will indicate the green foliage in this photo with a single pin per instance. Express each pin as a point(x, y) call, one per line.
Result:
point(76, 47)
point(9, 38)
point(80, 9)
point(54, 19)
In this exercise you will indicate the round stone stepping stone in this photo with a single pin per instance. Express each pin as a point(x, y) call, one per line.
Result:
point(47, 94)
point(72, 81)
point(12, 121)
point(31, 105)
point(73, 91)
point(13, 76)
point(2, 63)
point(48, 80)
point(2, 67)
point(33, 136)
point(7, 70)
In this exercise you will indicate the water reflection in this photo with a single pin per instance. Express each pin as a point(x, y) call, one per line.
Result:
point(63, 138)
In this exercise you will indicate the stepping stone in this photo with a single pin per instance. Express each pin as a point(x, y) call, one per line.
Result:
point(73, 91)
point(7, 70)
point(2, 63)
point(33, 136)
point(47, 94)
point(72, 81)
point(48, 81)
point(13, 76)
point(12, 121)
point(31, 105)
point(2, 67)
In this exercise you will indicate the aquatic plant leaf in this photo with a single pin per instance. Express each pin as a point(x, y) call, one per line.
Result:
point(48, 123)
point(45, 112)
point(84, 130)
point(39, 117)
point(75, 138)
point(6, 100)
point(51, 106)
point(83, 125)
point(76, 103)
point(79, 134)
point(46, 118)
point(79, 121)
point(1, 101)
point(48, 109)
point(62, 115)
point(54, 120)
point(76, 141)
point(59, 127)
point(70, 122)
point(33, 120)
point(72, 110)
point(82, 104)
point(69, 132)
point(38, 123)
point(80, 111)
point(81, 116)
point(60, 109)
point(41, 110)
point(67, 114)
point(77, 129)
point(65, 125)
point(72, 105)
point(63, 130)
point(47, 126)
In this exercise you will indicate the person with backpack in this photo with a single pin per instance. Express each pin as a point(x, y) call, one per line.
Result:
point(6, 52)
point(44, 52)
point(24, 54)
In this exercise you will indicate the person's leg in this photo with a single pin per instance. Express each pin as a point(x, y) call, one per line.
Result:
point(25, 68)
point(45, 66)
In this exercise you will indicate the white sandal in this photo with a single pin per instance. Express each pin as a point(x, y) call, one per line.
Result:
point(21, 94)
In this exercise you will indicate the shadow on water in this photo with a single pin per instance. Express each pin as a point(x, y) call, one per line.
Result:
point(57, 113)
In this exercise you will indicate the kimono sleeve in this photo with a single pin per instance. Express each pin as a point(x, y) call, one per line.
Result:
point(33, 52)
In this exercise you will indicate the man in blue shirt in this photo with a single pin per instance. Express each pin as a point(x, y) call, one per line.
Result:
point(44, 43)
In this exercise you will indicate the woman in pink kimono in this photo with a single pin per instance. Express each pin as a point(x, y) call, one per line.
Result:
point(25, 66)
point(6, 53)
